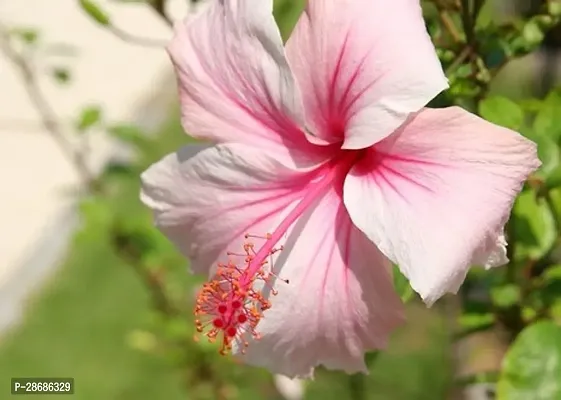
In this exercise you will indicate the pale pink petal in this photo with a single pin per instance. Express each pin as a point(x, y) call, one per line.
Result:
point(205, 202)
point(339, 301)
point(234, 82)
point(434, 197)
point(363, 66)
point(493, 251)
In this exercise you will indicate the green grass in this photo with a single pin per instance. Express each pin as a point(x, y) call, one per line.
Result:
point(78, 326)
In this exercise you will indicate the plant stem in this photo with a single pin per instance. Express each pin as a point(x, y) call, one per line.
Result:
point(449, 25)
point(48, 116)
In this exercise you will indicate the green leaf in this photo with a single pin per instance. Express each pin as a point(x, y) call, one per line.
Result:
point(533, 33)
point(506, 295)
point(474, 321)
point(534, 226)
point(94, 11)
point(532, 104)
point(546, 132)
point(61, 75)
point(27, 35)
point(548, 119)
point(528, 314)
point(548, 153)
point(129, 134)
point(402, 286)
point(116, 170)
point(532, 366)
point(552, 273)
point(502, 111)
point(554, 8)
point(553, 179)
point(89, 117)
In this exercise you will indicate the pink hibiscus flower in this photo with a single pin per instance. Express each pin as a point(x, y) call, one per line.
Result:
point(327, 169)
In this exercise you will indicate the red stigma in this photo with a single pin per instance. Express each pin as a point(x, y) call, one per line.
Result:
point(227, 307)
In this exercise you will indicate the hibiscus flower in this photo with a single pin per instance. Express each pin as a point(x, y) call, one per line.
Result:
point(326, 170)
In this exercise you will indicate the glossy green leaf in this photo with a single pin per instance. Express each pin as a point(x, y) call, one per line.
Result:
point(532, 366)
point(534, 226)
point(502, 111)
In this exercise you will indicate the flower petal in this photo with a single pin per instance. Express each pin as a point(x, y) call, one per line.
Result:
point(439, 193)
point(339, 301)
point(235, 84)
point(363, 66)
point(206, 201)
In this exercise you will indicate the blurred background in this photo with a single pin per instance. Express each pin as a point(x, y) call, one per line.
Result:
point(90, 290)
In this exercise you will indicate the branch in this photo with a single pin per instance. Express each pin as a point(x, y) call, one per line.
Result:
point(133, 39)
point(449, 25)
point(459, 60)
point(48, 117)
point(160, 7)
point(467, 21)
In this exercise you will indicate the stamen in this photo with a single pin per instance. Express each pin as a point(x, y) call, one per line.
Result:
point(227, 308)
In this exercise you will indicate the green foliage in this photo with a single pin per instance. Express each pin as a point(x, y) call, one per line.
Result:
point(402, 286)
point(506, 295)
point(130, 135)
point(88, 118)
point(95, 12)
point(532, 366)
point(554, 8)
point(534, 226)
point(29, 36)
point(502, 111)
point(473, 321)
point(61, 75)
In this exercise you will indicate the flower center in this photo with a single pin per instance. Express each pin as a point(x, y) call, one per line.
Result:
point(230, 306)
